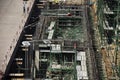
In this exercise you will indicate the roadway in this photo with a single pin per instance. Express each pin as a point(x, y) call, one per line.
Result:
point(12, 21)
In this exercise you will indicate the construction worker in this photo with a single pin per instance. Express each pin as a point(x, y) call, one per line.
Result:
point(25, 6)
point(24, 10)
point(69, 14)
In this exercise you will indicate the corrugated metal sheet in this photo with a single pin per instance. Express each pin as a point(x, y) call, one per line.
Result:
point(79, 58)
point(52, 24)
point(82, 69)
point(83, 63)
point(37, 59)
point(50, 34)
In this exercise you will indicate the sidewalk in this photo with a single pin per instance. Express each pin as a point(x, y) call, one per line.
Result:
point(12, 20)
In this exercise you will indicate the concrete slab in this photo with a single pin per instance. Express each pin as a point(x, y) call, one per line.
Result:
point(12, 20)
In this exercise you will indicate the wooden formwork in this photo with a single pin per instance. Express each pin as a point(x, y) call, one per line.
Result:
point(77, 2)
point(108, 66)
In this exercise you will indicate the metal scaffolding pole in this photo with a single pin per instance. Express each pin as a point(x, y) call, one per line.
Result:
point(117, 39)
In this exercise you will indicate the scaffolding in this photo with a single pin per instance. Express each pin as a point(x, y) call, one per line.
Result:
point(63, 38)
point(108, 25)
point(57, 59)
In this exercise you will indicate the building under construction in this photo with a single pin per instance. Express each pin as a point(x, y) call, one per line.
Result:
point(66, 40)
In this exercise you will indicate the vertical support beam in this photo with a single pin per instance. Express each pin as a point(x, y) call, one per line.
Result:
point(100, 20)
point(75, 62)
point(37, 59)
point(101, 31)
point(26, 62)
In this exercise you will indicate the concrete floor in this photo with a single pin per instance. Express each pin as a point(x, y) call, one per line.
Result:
point(12, 20)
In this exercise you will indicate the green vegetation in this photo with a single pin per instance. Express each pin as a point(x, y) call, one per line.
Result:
point(75, 32)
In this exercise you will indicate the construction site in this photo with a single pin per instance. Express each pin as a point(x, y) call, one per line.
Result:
point(65, 40)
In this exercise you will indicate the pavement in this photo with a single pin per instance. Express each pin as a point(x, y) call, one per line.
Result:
point(12, 21)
